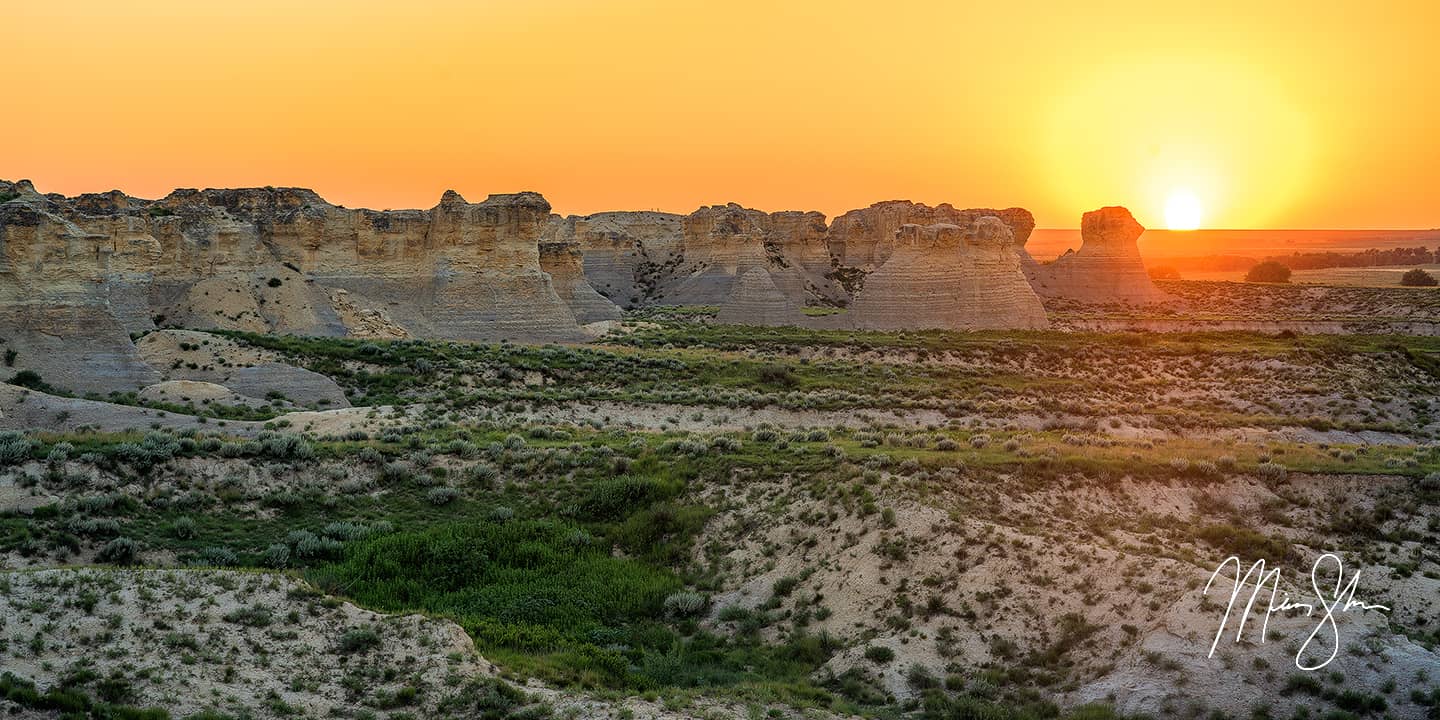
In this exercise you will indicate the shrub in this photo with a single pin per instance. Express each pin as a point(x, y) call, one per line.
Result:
point(15, 448)
point(274, 282)
point(1244, 543)
point(217, 557)
point(286, 447)
point(785, 585)
point(1431, 481)
point(496, 576)
point(29, 379)
point(183, 528)
point(276, 556)
point(685, 604)
point(59, 453)
point(1268, 272)
point(879, 654)
point(396, 472)
point(610, 500)
point(776, 375)
point(484, 473)
point(442, 495)
point(253, 616)
point(1418, 278)
point(358, 640)
point(1271, 470)
point(120, 551)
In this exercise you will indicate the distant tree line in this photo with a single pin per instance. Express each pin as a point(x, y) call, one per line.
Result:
point(1374, 257)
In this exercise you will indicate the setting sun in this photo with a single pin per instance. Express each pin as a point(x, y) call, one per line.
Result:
point(1182, 211)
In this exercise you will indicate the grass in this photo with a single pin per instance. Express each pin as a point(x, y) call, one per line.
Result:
point(558, 546)
point(544, 582)
point(701, 364)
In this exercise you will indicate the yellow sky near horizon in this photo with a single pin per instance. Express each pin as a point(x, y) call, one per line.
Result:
point(1272, 114)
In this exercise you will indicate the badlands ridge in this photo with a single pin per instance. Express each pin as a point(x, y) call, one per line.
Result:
point(79, 275)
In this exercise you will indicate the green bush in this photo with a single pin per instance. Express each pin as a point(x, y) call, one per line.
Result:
point(15, 448)
point(120, 551)
point(524, 573)
point(29, 379)
point(1268, 272)
point(1418, 278)
point(612, 500)
point(879, 654)
point(358, 640)
point(1244, 543)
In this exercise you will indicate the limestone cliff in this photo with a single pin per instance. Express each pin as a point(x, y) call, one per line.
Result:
point(865, 238)
point(54, 317)
point(278, 259)
point(717, 254)
point(756, 300)
point(81, 273)
point(950, 277)
point(624, 254)
point(637, 258)
point(1106, 269)
point(563, 262)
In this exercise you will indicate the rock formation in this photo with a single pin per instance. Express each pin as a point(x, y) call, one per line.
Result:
point(77, 273)
point(54, 317)
point(289, 383)
point(1106, 269)
point(865, 238)
point(641, 258)
point(756, 300)
point(563, 262)
point(949, 277)
point(624, 253)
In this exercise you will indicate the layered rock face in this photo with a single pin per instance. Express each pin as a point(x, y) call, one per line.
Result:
point(281, 260)
point(1106, 269)
point(755, 300)
point(950, 277)
point(77, 275)
point(54, 316)
point(563, 262)
point(624, 254)
point(865, 238)
point(637, 258)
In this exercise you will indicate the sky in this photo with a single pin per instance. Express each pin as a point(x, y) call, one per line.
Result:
point(1261, 114)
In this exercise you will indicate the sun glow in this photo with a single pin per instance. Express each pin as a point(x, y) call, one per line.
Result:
point(1182, 210)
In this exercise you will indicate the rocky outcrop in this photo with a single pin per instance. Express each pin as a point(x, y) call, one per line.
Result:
point(196, 393)
point(54, 317)
point(756, 300)
point(624, 254)
point(278, 381)
point(280, 260)
point(638, 258)
point(563, 262)
point(865, 238)
point(950, 277)
point(284, 260)
point(1106, 269)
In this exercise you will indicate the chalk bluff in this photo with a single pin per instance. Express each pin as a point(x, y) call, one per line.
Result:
point(80, 275)
point(1106, 269)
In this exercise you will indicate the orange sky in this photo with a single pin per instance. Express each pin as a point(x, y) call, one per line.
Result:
point(1273, 114)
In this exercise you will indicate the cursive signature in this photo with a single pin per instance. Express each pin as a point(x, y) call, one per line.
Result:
point(1340, 601)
